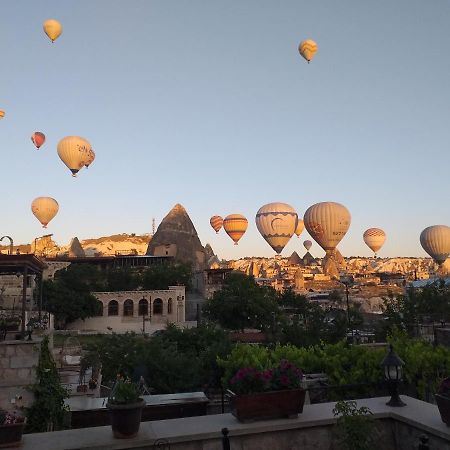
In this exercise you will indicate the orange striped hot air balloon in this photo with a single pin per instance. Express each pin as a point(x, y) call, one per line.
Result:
point(38, 139)
point(374, 238)
point(300, 227)
point(216, 222)
point(307, 49)
point(235, 225)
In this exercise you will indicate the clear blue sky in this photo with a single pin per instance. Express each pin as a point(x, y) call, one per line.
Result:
point(208, 103)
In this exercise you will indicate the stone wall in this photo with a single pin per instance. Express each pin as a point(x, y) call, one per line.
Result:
point(18, 360)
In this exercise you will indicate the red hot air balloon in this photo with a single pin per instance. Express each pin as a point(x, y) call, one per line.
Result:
point(38, 139)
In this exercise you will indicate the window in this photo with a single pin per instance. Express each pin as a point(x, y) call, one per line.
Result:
point(113, 308)
point(158, 306)
point(143, 307)
point(128, 308)
point(169, 306)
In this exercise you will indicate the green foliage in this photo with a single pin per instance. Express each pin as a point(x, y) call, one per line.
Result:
point(241, 303)
point(176, 361)
point(123, 279)
point(124, 392)
point(47, 411)
point(354, 426)
point(163, 276)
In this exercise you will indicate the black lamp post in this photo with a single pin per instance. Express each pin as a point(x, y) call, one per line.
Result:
point(393, 373)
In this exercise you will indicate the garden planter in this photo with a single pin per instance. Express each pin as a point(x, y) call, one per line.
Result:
point(267, 405)
point(11, 435)
point(443, 404)
point(125, 419)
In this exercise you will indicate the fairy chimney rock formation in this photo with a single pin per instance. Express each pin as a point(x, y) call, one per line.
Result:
point(176, 236)
point(75, 249)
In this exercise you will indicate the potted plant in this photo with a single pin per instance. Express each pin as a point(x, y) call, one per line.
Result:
point(125, 408)
point(443, 400)
point(267, 394)
point(11, 429)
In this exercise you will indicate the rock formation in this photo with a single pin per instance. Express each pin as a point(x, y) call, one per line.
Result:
point(299, 281)
point(294, 259)
point(75, 249)
point(176, 236)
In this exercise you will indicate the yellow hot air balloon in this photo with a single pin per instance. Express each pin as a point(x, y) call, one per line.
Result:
point(435, 240)
point(374, 238)
point(53, 29)
point(307, 49)
point(300, 227)
point(2, 114)
point(89, 158)
point(235, 225)
point(44, 208)
point(327, 223)
point(216, 222)
point(74, 152)
point(276, 222)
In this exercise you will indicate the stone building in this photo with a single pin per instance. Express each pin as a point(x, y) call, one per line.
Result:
point(134, 310)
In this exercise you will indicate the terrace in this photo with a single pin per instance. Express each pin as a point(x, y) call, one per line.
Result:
point(405, 428)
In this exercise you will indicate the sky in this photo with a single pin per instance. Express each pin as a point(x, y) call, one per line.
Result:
point(208, 103)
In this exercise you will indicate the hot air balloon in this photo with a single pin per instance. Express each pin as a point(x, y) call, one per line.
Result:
point(307, 49)
point(276, 222)
point(235, 226)
point(38, 139)
point(89, 158)
point(327, 223)
point(44, 208)
point(53, 29)
point(2, 114)
point(300, 227)
point(435, 240)
point(74, 151)
point(374, 238)
point(307, 244)
point(216, 222)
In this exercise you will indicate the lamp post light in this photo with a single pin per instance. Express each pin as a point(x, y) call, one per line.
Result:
point(393, 373)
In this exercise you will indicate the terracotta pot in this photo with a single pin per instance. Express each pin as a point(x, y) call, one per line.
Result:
point(125, 419)
point(267, 405)
point(443, 403)
point(11, 435)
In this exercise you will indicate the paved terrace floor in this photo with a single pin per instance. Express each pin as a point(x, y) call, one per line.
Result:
point(204, 432)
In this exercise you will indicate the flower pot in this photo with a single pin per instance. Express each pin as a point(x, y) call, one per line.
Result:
point(443, 403)
point(11, 435)
point(267, 405)
point(125, 419)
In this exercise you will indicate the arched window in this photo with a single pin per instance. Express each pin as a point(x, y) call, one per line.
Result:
point(113, 308)
point(143, 307)
point(157, 306)
point(128, 307)
point(169, 306)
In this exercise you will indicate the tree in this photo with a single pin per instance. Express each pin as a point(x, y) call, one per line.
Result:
point(243, 304)
point(47, 411)
point(163, 276)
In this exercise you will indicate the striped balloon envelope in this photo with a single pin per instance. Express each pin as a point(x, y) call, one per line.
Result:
point(74, 152)
point(235, 225)
point(435, 240)
point(327, 223)
point(277, 223)
point(374, 238)
point(216, 223)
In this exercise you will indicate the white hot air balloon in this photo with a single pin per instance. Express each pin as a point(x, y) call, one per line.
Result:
point(374, 238)
point(435, 240)
point(44, 209)
point(277, 223)
point(75, 152)
point(327, 223)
